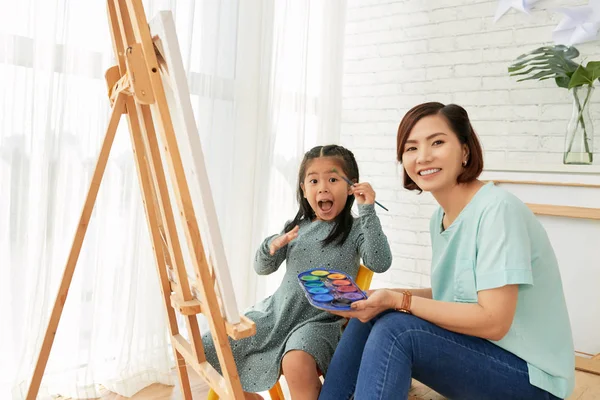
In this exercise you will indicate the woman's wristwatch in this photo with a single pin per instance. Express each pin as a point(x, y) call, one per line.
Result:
point(406, 299)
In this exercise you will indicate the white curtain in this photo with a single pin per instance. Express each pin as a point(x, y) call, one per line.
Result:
point(299, 106)
point(265, 78)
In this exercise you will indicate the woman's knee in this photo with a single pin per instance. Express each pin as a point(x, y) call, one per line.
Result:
point(395, 321)
point(398, 329)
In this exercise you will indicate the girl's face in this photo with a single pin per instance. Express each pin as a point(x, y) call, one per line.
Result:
point(433, 156)
point(324, 190)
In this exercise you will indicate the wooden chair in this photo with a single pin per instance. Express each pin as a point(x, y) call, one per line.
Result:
point(363, 280)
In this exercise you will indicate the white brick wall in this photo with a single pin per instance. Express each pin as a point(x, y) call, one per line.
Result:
point(404, 52)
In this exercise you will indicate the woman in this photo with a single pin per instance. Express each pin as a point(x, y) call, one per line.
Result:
point(494, 324)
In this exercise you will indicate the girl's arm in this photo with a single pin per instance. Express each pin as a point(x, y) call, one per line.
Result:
point(373, 246)
point(273, 251)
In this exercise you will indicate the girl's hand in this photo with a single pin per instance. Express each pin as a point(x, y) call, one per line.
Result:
point(378, 301)
point(283, 240)
point(364, 193)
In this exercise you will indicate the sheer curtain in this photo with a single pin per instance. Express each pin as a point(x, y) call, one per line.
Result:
point(265, 79)
point(299, 107)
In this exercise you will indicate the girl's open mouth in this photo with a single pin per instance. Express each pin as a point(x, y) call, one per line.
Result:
point(325, 205)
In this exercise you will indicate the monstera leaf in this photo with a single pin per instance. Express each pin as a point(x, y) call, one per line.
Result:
point(549, 62)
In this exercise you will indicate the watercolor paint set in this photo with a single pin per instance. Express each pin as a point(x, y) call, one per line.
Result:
point(330, 289)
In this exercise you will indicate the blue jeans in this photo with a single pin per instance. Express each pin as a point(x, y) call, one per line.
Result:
point(377, 359)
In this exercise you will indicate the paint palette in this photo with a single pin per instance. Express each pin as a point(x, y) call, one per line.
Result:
point(330, 289)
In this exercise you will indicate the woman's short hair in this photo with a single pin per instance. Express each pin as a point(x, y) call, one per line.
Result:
point(459, 122)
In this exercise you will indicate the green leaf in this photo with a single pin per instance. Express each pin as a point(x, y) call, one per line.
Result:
point(541, 64)
point(527, 71)
point(594, 68)
point(582, 76)
point(548, 62)
point(543, 74)
point(562, 82)
point(571, 52)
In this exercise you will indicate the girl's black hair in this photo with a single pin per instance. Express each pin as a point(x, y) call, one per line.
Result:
point(342, 223)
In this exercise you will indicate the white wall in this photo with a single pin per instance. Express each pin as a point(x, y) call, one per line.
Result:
point(402, 53)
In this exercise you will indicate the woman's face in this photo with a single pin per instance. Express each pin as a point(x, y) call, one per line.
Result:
point(433, 156)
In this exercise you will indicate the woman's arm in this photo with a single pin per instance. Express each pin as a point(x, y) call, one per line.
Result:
point(425, 292)
point(502, 263)
point(489, 318)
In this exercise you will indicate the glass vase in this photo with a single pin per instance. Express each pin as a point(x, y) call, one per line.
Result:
point(579, 147)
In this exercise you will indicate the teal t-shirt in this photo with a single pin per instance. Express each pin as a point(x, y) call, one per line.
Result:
point(495, 241)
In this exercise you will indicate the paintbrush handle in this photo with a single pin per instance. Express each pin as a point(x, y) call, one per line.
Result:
point(380, 205)
point(349, 182)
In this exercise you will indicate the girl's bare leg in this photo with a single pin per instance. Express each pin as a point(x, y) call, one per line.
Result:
point(300, 370)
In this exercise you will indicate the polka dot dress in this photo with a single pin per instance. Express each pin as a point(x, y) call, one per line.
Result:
point(286, 321)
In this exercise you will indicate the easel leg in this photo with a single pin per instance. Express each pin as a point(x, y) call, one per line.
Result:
point(166, 214)
point(86, 214)
point(145, 164)
point(155, 198)
point(131, 35)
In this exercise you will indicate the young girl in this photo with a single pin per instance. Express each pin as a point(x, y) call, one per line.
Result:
point(292, 337)
point(494, 324)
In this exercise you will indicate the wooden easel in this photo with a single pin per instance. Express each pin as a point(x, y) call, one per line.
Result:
point(592, 364)
point(135, 89)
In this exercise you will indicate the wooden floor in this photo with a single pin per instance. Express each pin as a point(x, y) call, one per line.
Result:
point(587, 387)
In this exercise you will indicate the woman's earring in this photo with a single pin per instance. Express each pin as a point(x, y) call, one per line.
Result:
point(464, 163)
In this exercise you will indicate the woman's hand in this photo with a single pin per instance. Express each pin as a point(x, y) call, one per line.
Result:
point(377, 302)
point(283, 240)
point(364, 193)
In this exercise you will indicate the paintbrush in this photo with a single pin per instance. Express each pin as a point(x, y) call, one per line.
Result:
point(349, 182)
